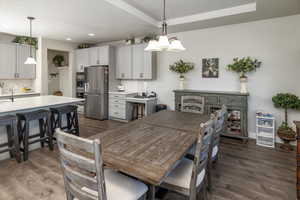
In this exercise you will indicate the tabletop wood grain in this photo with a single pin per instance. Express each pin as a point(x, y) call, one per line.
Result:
point(148, 151)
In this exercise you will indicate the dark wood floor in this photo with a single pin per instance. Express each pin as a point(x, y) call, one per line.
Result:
point(244, 172)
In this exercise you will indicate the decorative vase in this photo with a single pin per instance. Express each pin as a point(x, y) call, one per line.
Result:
point(287, 136)
point(181, 82)
point(243, 84)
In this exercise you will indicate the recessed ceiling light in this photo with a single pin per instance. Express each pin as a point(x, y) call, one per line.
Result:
point(91, 34)
point(69, 39)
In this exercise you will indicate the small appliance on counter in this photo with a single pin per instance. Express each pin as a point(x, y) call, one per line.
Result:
point(146, 95)
point(121, 88)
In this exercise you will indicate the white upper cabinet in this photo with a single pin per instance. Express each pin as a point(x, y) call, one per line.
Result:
point(104, 55)
point(82, 59)
point(24, 71)
point(12, 59)
point(124, 62)
point(134, 60)
point(94, 56)
point(7, 61)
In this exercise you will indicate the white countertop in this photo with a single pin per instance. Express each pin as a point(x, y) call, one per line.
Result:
point(31, 103)
point(141, 99)
point(122, 93)
point(19, 94)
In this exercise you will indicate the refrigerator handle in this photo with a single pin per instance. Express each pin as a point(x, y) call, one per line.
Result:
point(86, 87)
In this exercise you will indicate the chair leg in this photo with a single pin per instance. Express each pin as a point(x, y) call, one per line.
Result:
point(42, 131)
point(25, 141)
point(209, 181)
point(49, 132)
point(151, 192)
point(16, 142)
point(76, 123)
point(9, 140)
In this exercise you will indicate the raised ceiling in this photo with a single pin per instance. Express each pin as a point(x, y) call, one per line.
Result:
point(117, 19)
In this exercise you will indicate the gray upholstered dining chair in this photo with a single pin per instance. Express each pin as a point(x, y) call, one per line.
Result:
point(85, 177)
point(189, 177)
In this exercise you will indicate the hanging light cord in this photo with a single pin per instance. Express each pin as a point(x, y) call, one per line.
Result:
point(164, 25)
point(30, 20)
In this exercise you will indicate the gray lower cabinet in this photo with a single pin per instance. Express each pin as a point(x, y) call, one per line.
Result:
point(119, 109)
point(237, 104)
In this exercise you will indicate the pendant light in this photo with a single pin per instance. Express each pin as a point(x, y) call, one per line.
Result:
point(164, 43)
point(30, 60)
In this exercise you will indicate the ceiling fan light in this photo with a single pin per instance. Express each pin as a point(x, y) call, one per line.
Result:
point(163, 42)
point(176, 46)
point(30, 61)
point(153, 46)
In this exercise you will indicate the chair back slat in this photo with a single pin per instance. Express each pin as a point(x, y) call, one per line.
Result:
point(82, 166)
point(79, 161)
point(72, 140)
point(80, 179)
point(78, 193)
point(202, 152)
point(220, 124)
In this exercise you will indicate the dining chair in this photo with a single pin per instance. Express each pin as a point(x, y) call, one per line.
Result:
point(219, 127)
point(85, 177)
point(189, 177)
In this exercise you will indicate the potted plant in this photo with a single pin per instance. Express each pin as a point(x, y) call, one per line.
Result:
point(149, 37)
point(58, 60)
point(244, 66)
point(285, 132)
point(180, 67)
point(26, 40)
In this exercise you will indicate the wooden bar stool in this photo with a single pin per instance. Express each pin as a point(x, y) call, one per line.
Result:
point(12, 145)
point(72, 119)
point(24, 119)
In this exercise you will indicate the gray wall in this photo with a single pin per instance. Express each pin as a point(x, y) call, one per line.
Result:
point(275, 42)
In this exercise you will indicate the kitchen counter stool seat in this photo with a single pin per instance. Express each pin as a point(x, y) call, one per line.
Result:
point(72, 119)
point(24, 119)
point(12, 145)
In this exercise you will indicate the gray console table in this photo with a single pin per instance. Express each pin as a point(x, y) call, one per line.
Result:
point(237, 104)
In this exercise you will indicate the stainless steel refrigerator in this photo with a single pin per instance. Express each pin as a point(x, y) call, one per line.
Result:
point(96, 92)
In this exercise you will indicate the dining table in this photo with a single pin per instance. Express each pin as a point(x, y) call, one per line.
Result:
point(148, 149)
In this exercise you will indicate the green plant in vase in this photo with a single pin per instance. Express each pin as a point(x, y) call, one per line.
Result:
point(242, 67)
point(286, 101)
point(58, 60)
point(180, 67)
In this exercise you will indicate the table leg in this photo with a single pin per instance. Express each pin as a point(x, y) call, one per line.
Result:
point(151, 192)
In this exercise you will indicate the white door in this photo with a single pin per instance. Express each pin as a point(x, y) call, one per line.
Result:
point(138, 61)
point(94, 56)
point(7, 61)
point(104, 55)
point(82, 59)
point(25, 71)
point(124, 62)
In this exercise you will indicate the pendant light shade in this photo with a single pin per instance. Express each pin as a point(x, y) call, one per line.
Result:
point(176, 46)
point(153, 46)
point(163, 42)
point(30, 60)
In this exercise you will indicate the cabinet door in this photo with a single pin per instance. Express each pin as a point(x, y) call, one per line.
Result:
point(25, 71)
point(124, 62)
point(104, 55)
point(149, 65)
point(7, 61)
point(82, 59)
point(138, 61)
point(94, 56)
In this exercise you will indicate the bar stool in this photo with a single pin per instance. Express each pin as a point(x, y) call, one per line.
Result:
point(72, 119)
point(12, 145)
point(43, 136)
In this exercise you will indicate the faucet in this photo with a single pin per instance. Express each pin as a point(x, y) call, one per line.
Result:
point(12, 95)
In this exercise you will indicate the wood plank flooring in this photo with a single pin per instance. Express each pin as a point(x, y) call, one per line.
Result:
point(244, 172)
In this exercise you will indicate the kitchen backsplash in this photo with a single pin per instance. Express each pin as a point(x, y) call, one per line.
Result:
point(16, 85)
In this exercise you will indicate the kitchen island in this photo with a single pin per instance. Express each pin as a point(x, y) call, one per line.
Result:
point(7, 107)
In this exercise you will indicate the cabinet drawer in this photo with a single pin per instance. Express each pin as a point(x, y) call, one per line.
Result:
point(117, 106)
point(211, 100)
point(233, 100)
point(117, 96)
point(117, 101)
point(117, 113)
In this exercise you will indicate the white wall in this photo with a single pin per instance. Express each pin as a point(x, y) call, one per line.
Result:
point(275, 42)
point(69, 77)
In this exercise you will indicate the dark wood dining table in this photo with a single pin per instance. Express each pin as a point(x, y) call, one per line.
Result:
point(148, 149)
